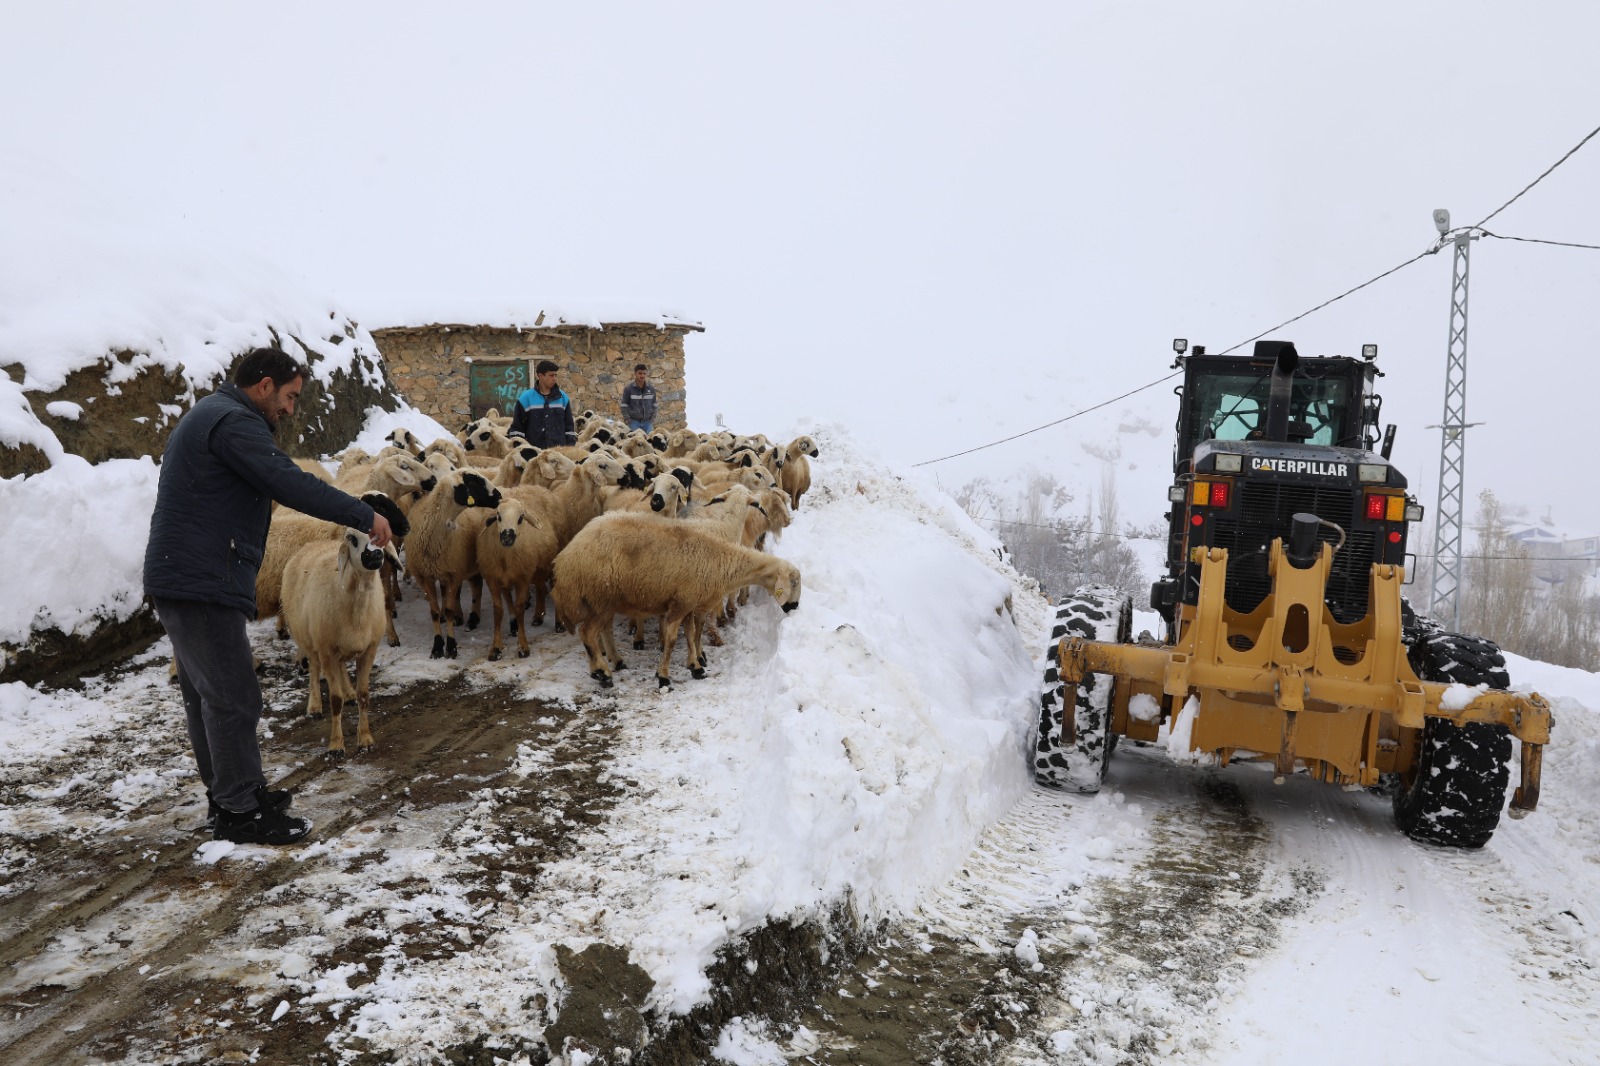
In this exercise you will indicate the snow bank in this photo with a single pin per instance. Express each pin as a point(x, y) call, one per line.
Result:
point(852, 751)
point(84, 529)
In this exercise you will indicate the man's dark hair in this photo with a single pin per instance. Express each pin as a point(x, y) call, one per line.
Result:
point(545, 367)
point(640, 366)
point(267, 363)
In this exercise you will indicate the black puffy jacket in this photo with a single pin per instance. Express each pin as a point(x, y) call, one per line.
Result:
point(219, 475)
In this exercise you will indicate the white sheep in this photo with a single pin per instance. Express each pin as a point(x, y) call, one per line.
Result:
point(406, 441)
point(637, 564)
point(516, 548)
point(333, 601)
point(796, 477)
point(483, 439)
point(442, 552)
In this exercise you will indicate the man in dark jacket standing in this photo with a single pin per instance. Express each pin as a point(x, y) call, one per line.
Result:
point(543, 414)
point(219, 475)
point(639, 400)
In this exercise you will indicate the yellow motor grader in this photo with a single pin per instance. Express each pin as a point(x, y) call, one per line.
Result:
point(1287, 635)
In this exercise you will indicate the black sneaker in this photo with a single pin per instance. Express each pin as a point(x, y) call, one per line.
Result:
point(279, 799)
point(264, 825)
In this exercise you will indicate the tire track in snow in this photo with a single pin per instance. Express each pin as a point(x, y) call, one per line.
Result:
point(1079, 928)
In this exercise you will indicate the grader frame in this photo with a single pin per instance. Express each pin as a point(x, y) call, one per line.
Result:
point(1288, 682)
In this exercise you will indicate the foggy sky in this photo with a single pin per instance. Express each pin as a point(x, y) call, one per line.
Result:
point(939, 224)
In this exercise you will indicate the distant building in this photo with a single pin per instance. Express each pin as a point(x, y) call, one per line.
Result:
point(454, 372)
point(1558, 554)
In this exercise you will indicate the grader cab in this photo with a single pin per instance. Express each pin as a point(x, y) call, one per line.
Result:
point(1287, 635)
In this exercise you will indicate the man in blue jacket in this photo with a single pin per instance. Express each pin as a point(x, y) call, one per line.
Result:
point(219, 475)
point(542, 415)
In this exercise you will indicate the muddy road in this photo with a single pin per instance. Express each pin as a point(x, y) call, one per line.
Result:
point(1123, 928)
point(105, 914)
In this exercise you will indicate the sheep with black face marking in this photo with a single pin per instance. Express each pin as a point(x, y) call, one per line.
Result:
point(483, 439)
point(333, 602)
point(516, 548)
point(290, 531)
point(442, 550)
point(406, 441)
point(637, 564)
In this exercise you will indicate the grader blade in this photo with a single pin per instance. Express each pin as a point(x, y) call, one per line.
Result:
point(1289, 682)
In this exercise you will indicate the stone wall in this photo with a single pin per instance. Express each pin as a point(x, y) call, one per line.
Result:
point(429, 365)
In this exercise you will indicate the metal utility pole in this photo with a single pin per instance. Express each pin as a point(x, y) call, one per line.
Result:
point(1445, 604)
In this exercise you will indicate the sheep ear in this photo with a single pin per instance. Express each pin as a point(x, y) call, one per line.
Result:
point(403, 478)
point(491, 520)
point(344, 561)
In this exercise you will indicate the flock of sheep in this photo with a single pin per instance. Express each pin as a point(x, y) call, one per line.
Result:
point(666, 526)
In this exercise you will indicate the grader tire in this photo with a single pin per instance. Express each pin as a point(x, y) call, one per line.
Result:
point(1455, 793)
point(1095, 612)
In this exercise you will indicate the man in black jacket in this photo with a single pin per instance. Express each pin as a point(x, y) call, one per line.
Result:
point(543, 414)
point(219, 475)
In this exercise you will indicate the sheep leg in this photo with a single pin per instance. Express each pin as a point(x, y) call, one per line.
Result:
point(498, 592)
point(613, 656)
point(541, 585)
point(452, 595)
point(636, 629)
point(697, 662)
point(364, 696)
point(430, 589)
point(477, 602)
point(391, 596)
point(333, 669)
point(516, 600)
point(588, 633)
point(670, 625)
point(314, 693)
point(715, 632)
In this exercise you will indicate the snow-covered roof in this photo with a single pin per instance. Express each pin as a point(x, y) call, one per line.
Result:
point(525, 314)
point(1540, 532)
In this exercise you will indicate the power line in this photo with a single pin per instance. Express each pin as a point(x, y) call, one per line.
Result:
point(1392, 270)
point(1430, 250)
point(1162, 536)
point(1535, 240)
point(1047, 425)
point(1540, 178)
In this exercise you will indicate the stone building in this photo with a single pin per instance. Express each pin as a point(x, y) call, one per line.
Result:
point(455, 372)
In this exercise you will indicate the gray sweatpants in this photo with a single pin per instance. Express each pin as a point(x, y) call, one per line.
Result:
point(221, 697)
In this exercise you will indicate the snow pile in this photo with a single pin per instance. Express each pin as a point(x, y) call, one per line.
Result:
point(1561, 839)
point(86, 527)
point(854, 750)
point(77, 284)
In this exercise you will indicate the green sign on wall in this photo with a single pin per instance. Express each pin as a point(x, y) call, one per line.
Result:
point(496, 385)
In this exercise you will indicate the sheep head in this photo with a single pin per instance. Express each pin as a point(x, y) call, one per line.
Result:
point(803, 445)
point(784, 586)
point(399, 525)
point(356, 550)
point(509, 515)
point(474, 490)
point(604, 469)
